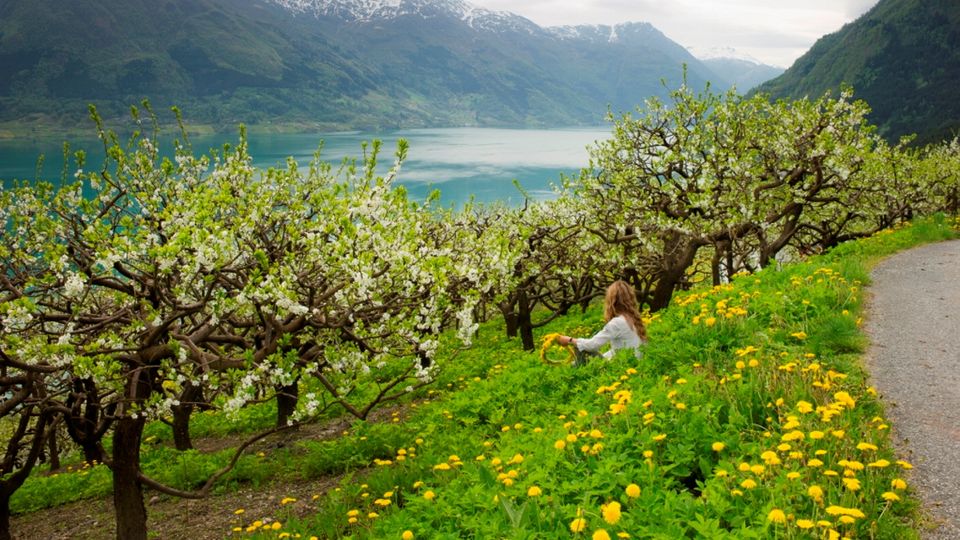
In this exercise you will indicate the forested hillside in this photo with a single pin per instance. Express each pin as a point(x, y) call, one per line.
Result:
point(902, 57)
point(322, 65)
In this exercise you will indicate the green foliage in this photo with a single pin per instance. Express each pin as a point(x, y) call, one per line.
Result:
point(901, 57)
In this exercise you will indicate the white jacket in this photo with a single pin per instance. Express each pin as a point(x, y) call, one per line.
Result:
point(617, 332)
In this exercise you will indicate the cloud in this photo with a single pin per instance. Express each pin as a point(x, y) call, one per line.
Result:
point(775, 31)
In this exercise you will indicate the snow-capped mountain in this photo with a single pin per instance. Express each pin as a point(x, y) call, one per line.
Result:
point(379, 10)
point(734, 67)
point(332, 64)
point(726, 53)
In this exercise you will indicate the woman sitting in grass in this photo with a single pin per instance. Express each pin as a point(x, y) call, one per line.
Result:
point(624, 328)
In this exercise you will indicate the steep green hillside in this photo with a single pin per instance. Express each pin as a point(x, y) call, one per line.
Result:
point(902, 57)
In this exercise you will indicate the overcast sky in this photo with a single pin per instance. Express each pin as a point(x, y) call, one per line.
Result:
point(776, 32)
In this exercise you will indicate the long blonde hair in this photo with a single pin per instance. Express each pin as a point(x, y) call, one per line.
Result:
point(621, 300)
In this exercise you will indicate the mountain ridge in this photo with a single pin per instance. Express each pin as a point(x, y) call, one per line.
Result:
point(325, 64)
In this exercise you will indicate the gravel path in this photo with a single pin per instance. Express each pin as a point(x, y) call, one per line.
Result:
point(914, 362)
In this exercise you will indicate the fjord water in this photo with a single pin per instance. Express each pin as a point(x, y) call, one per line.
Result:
point(461, 162)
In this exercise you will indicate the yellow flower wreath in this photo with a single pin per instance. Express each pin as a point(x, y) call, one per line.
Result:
point(550, 342)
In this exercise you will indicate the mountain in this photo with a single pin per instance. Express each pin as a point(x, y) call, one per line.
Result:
point(735, 68)
point(322, 64)
point(902, 57)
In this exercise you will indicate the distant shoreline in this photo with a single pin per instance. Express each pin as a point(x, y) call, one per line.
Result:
point(23, 130)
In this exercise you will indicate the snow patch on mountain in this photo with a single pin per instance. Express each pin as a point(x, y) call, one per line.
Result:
point(724, 53)
point(373, 10)
point(596, 32)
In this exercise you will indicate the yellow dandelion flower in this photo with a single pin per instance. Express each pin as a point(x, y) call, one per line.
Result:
point(805, 523)
point(777, 516)
point(879, 464)
point(845, 399)
point(287, 500)
point(890, 496)
point(659, 437)
point(534, 491)
point(600, 534)
point(239, 511)
point(904, 465)
point(578, 525)
point(749, 483)
point(718, 446)
point(633, 491)
point(611, 512)
point(851, 483)
point(407, 535)
point(815, 492)
point(898, 483)
point(560, 444)
point(276, 526)
point(429, 495)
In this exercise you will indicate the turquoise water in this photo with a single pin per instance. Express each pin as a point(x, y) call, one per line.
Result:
point(460, 162)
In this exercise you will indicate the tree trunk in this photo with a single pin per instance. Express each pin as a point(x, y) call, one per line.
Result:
point(730, 264)
point(510, 318)
point(5, 516)
point(53, 448)
point(525, 321)
point(287, 397)
point(127, 490)
point(84, 425)
point(128, 504)
point(715, 264)
point(190, 396)
point(673, 270)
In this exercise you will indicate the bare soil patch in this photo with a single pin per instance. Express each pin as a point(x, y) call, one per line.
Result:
point(204, 519)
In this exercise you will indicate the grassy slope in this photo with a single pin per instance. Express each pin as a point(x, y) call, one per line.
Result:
point(901, 57)
point(712, 373)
